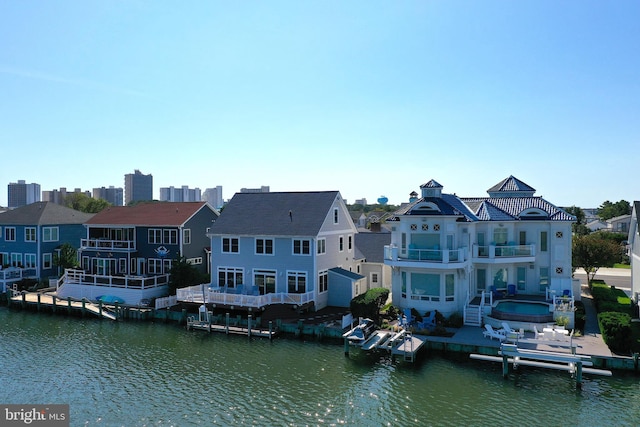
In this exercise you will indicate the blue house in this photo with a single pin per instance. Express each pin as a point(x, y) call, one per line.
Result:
point(281, 248)
point(128, 251)
point(30, 236)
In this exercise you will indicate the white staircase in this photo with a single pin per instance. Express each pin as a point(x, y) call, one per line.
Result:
point(473, 315)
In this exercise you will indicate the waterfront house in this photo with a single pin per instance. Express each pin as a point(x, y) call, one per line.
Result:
point(634, 251)
point(128, 251)
point(446, 250)
point(370, 249)
point(294, 248)
point(31, 235)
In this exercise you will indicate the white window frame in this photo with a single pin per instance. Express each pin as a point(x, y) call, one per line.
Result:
point(10, 234)
point(262, 246)
point(170, 236)
point(47, 261)
point(230, 241)
point(322, 246)
point(300, 250)
point(50, 234)
point(154, 236)
point(298, 277)
point(336, 217)
point(29, 234)
point(186, 236)
point(30, 260)
point(340, 243)
point(235, 272)
point(323, 281)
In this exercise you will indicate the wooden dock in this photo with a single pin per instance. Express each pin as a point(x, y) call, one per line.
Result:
point(203, 323)
point(52, 302)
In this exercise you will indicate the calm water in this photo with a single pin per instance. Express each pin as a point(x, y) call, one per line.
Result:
point(155, 374)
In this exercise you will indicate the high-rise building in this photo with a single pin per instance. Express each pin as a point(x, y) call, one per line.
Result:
point(58, 196)
point(20, 194)
point(113, 195)
point(263, 189)
point(182, 194)
point(137, 187)
point(214, 196)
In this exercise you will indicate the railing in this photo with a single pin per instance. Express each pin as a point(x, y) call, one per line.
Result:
point(444, 256)
point(80, 277)
point(105, 244)
point(503, 251)
point(202, 293)
point(166, 302)
point(16, 273)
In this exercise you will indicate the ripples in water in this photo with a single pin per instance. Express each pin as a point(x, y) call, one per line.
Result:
point(144, 374)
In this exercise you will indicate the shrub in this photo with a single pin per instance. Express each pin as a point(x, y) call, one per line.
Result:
point(580, 316)
point(369, 304)
point(616, 330)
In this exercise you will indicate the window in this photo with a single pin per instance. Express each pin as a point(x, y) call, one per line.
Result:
point(170, 237)
point(350, 242)
point(186, 236)
point(230, 276)
point(30, 260)
point(425, 287)
point(166, 265)
point(301, 247)
point(323, 281)
point(50, 234)
point(522, 238)
point(264, 246)
point(10, 234)
point(194, 261)
point(521, 277)
point(335, 215)
point(46, 261)
point(155, 236)
point(341, 243)
point(16, 260)
point(500, 236)
point(449, 287)
point(404, 284)
point(230, 245)
point(544, 279)
point(322, 246)
point(122, 266)
point(265, 280)
point(296, 282)
point(154, 266)
point(500, 278)
point(30, 234)
point(481, 279)
point(374, 279)
point(544, 241)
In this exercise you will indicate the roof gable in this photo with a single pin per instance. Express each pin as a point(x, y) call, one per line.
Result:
point(511, 187)
point(275, 213)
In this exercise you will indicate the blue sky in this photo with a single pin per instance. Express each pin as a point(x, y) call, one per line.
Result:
point(369, 98)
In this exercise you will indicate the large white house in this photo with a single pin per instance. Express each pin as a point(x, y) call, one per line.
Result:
point(446, 249)
point(634, 252)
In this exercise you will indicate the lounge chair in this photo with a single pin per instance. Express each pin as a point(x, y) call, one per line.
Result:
point(511, 332)
point(537, 335)
point(492, 333)
point(410, 318)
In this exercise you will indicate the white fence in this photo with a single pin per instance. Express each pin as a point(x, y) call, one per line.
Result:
point(166, 302)
point(202, 293)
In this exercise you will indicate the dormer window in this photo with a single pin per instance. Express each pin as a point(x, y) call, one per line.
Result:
point(533, 214)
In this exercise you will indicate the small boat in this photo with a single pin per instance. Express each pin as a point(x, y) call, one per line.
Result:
point(110, 299)
point(361, 332)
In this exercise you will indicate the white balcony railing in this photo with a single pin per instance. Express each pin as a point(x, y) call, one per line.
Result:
point(203, 293)
point(504, 251)
point(104, 244)
point(445, 256)
point(80, 277)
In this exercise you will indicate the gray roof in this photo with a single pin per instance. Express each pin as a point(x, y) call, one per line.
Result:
point(43, 213)
point(509, 208)
point(371, 245)
point(510, 185)
point(346, 273)
point(275, 214)
point(431, 184)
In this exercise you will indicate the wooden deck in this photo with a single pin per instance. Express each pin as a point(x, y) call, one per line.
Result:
point(50, 300)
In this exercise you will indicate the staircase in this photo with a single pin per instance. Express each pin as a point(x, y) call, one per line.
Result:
point(472, 315)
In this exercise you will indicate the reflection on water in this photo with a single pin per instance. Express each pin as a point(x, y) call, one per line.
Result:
point(137, 374)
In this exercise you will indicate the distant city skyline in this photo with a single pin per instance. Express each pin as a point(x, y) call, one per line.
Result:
point(367, 98)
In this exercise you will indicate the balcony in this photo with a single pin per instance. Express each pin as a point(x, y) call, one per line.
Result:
point(216, 295)
point(497, 254)
point(108, 245)
point(425, 258)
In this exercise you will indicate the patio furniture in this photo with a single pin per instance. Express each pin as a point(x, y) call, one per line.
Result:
point(492, 333)
point(511, 290)
point(511, 332)
point(428, 322)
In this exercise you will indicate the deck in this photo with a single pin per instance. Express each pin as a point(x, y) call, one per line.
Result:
point(50, 300)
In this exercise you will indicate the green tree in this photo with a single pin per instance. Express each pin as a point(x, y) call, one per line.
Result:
point(579, 227)
point(65, 257)
point(83, 203)
point(184, 274)
point(608, 210)
point(592, 252)
point(369, 304)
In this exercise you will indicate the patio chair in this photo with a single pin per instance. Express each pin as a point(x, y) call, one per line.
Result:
point(410, 317)
point(496, 294)
point(511, 290)
point(537, 335)
point(492, 333)
point(566, 293)
point(512, 332)
point(428, 322)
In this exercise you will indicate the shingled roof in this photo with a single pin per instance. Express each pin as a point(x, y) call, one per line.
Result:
point(275, 214)
point(170, 214)
point(43, 213)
